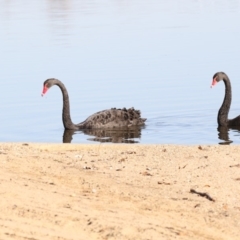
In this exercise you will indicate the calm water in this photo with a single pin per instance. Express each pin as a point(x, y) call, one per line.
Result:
point(158, 56)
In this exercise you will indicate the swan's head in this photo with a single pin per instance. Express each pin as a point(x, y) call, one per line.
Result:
point(217, 77)
point(47, 84)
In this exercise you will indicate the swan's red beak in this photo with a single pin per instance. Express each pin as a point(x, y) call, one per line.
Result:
point(44, 90)
point(214, 82)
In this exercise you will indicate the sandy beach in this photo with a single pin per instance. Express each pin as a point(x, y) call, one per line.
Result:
point(73, 191)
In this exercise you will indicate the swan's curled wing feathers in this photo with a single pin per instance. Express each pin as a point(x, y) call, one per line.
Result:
point(114, 118)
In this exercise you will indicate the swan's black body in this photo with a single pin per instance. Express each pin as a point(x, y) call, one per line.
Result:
point(111, 118)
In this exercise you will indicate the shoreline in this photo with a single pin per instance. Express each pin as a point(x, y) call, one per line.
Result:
point(119, 191)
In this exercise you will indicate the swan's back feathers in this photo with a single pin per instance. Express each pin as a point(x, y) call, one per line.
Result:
point(235, 122)
point(113, 118)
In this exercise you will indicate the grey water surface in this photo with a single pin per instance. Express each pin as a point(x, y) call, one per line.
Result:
point(157, 56)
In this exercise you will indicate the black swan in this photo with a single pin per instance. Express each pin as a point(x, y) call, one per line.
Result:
point(223, 120)
point(111, 118)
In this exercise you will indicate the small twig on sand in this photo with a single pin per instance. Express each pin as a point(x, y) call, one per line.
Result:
point(202, 195)
point(236, 165)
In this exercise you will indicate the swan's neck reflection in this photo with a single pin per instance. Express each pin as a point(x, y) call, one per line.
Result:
point(131, 135)
point(223, 134)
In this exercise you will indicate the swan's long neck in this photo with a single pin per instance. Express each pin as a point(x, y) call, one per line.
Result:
point(66, 118)
point(224, 109)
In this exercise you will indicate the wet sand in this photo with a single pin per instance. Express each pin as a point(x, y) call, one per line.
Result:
point(73, 191)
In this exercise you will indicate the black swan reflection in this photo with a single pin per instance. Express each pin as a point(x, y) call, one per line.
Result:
point(106, 119)
point(223, 134)
point(222, 118)
point(106, 135)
